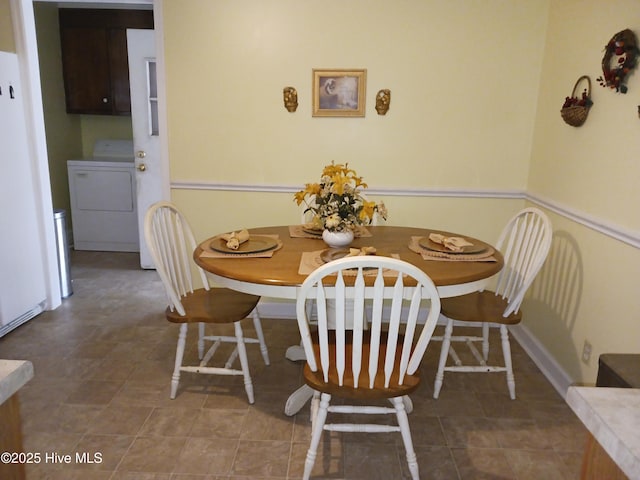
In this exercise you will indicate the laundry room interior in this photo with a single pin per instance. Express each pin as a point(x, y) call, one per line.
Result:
point(91, 153)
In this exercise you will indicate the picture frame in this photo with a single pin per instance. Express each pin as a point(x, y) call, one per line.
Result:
point(339, 92)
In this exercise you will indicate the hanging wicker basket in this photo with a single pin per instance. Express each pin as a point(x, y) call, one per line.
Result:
point(576, 115)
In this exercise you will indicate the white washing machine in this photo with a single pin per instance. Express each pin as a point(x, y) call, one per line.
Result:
point(103, 198)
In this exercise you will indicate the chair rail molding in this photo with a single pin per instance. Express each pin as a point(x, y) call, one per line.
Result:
point(610, 229)
point(630, 237)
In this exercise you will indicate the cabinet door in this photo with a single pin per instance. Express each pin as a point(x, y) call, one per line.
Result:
point(85, 63)
point(119, 65)
point(94, 58)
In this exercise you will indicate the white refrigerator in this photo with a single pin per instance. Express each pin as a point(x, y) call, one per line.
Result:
point(22, 253)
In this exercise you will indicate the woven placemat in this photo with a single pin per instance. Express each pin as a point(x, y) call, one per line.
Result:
point(297, 231)
point(208, 252)
point(310, 261)
point(426, 254)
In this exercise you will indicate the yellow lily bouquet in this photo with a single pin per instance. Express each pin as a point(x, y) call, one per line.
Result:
point(337, 202)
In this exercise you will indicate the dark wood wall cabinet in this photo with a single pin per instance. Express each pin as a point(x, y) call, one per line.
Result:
point(94, 58)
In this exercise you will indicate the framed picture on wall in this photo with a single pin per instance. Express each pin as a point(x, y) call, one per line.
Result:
point(339, 93)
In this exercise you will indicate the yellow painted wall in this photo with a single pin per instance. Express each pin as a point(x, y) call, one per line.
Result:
point(457, 116)
point(7, 43)
point(64, 141)
point(95, 127)
point(593, 169)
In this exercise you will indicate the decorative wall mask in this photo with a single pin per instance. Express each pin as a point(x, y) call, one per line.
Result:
point(383, 99)
point(290, 97)
point(619, 60)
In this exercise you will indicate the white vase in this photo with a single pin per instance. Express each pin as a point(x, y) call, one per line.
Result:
point(337, 239)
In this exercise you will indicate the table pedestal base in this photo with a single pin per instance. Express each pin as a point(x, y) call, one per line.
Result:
point(297, 400)
point(295, 353)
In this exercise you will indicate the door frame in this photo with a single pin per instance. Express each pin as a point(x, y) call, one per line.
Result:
point(23, 20)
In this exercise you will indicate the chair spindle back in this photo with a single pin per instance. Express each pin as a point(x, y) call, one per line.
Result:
point(356, 302)
point(171, 243)
point(525, 243)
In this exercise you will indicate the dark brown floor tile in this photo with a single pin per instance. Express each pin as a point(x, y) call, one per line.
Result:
point(54, 441)
point(564, 435)
point(58, 367)
point(76, 474)
point(470, 432)
point(92, 349)
point(93, 392)
point(101, 452)
point(187, 476)
point(483, 464)
point(366, 461)
point(226, 397)
point(156, 395)
point(140, 476)
point(218, 423)
point(521, 434)
point(266, 425)
point(534, 465)
point(450, 403)
point(501, 405)
point(424, 431)
point(153, 455)
point(169, 422)
point(207, 456)
point(68, 419)
point(262, 458)
point(120, 420)
point(434, 462)
point(329, 461)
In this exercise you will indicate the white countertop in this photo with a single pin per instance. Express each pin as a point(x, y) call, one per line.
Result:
point(612, 415)
point(13, 375)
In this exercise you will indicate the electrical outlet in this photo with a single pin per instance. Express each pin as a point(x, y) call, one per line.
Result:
point(586, 351)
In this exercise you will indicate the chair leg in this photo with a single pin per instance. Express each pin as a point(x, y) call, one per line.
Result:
point(200, 340)
point(318, 426)
point(315, 404)
point(444, 353)
point(244, 362)
point(506, 352)
point(257, 324)
point(175, 378)
point(485, 341)
point(405, 431)
point(408, 404)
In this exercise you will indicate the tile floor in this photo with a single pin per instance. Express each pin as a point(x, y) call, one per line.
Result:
point(103, 362)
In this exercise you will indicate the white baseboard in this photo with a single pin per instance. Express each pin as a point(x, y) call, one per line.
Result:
point(549, 367)
point(536, 351)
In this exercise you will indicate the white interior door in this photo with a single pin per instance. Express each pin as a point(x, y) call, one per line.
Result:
point(144, 120)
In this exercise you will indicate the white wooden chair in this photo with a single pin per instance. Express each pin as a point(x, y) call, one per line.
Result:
point(171, 244)
point(524, 243)
point(359, 360)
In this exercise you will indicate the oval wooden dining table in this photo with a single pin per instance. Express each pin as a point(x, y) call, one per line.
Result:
point(279, 275)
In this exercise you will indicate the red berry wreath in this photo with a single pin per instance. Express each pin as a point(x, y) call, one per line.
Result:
point(622, 47)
